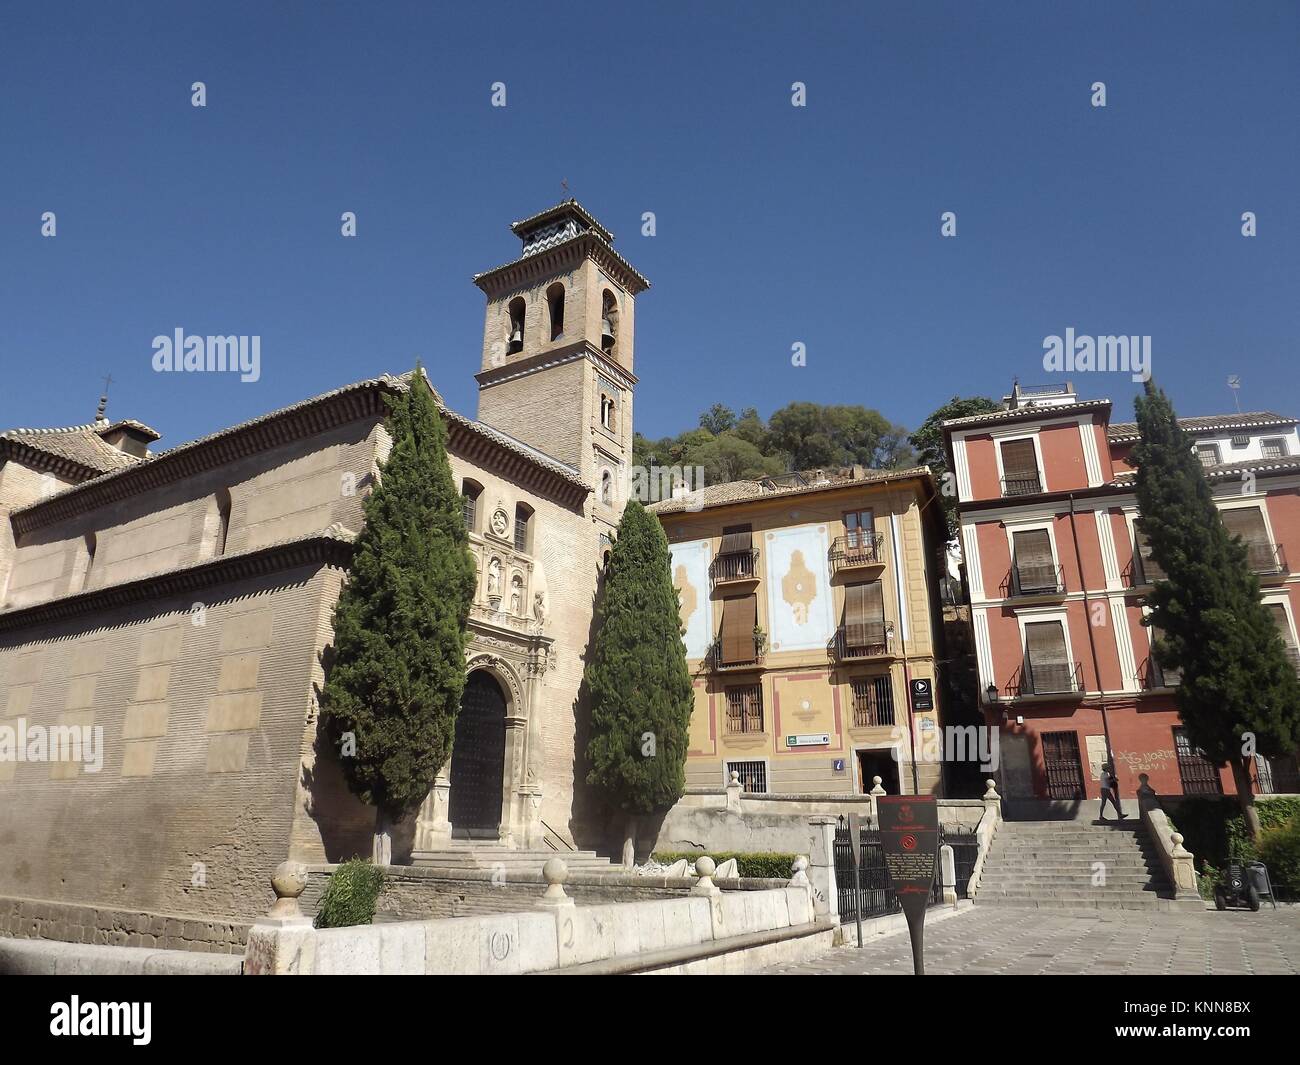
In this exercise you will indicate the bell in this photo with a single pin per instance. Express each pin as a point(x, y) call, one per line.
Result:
point(606, 334)
point(517, 335)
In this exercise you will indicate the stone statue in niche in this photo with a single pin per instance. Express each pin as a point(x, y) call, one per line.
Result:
point(517, 595)
point(494, 579)
point(500, 522)
point(539, 607)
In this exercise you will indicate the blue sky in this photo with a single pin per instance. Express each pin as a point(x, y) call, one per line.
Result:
point(776, 224)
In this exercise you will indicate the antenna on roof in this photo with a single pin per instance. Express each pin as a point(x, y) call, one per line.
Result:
point(564, 184)
point(1234, 383)
point(103, 401)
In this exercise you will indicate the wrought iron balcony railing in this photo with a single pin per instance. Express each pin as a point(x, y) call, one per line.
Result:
point(714, 662)
point(1153, 675)
point(1027, 579)
point(874, 639)
point(1022, 486)
point(856, 551)
point(1051, 678)
point(734, 567)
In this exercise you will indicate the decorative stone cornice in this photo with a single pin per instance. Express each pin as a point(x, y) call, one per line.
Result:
point(532, 269)
point(545, 360)
point(330, 547)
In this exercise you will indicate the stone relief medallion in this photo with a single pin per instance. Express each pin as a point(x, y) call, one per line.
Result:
point(500, 522)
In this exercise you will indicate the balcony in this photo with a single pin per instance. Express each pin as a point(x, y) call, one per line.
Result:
point(856, 552)
point(874, 639)
point(1153, 676)
point(1022, 485)
point(1265, 559)
point(714, 661)
point(734, 568)
point(1050, 679)
point(1141, 573)
point(1027, 580)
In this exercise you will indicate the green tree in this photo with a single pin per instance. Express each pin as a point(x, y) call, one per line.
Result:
point(729, 458)
point(813, 435)
point(1238, 694)
point(928, 442)
point(718, 419)
point(636, 677)
point(389, 705)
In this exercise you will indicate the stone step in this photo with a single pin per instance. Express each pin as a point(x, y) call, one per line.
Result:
point(1010, 879)
point(1126, 903)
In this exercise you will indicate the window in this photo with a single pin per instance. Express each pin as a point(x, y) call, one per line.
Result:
point(1047, 659)
point(1033, 566)
point(753, 775)
point(555, 304)
point(1278, 612)
point(469, 493)
point(864, 619)
point(1199, 775)
point(515, 336)
point(216, 526)
point(745, 708)
point(523, 522)
point(91, 543)
point(1274, 447)
point(735, 561)
point(1148, 569)
point(859, 529)
point(737, 644)
point(873, 701)
point(1208, 454)
point(1020, 474)
point(607, 408)
point(608, 322)
point(1248, 523)
point(1161, 676)
point(223, 520)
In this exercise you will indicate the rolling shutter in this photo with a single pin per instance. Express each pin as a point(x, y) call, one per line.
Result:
point(1248, 523)
point(1049, 666)
point(1035, 568)
point(739, 617)
point(864, 614)
point(1151, 569)
point(1019, 460)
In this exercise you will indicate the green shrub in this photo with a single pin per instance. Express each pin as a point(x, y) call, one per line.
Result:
point(1279, 849)
point(766, 864)
point(351, 895)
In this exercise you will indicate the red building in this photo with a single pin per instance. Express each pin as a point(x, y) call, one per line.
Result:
point(1057, 574)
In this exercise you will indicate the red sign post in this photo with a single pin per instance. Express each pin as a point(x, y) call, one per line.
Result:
point(909, 840)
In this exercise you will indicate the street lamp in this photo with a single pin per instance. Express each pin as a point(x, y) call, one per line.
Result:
point(992, 692)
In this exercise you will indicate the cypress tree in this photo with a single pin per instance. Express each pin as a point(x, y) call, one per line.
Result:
point(1238, 694)
point(395, 684)
point(636, 676)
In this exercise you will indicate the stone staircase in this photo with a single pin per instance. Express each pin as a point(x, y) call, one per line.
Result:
point(457, 857)
point(1050, 865)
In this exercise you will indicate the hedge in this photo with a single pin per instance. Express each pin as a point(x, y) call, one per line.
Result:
point(351, 895)
point(766, 864)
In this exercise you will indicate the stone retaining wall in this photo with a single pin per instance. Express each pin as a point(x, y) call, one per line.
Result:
point(70, 923)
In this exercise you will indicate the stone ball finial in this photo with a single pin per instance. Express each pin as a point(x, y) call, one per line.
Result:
point(877, 781)
point(556, 871)
point(705, 866)
point(800, 864)
point(735, 779)
point(288, 882)
point(992, 788)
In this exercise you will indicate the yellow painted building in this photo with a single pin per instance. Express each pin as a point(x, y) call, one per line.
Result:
point(811, 614)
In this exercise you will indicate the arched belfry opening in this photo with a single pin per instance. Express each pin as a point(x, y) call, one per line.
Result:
point(515, 331)
point(555, 306)
point(478, 760)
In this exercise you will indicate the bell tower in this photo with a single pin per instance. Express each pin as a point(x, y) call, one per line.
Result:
point(558, 345)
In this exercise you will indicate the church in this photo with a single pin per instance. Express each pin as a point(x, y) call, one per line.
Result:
point(181, 601)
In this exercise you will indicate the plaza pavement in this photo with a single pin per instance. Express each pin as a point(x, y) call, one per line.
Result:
point(994, 941)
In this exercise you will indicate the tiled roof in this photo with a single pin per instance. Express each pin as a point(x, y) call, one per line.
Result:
point(395, 383)
point(717, 495)
point(569, 206)
point(1119, 432)
point(81, 445)
point(1226, 470)
point(1044, 411)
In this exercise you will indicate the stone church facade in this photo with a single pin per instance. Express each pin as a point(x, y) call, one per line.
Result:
point(180, 603)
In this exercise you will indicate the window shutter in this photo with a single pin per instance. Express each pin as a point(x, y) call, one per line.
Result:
point(1049, 665)
point(1278, 612)
point(1246, 522)
point(1035, 568)
point(739, 616)
point(864, 614)
point(1151, 569)
point(1019, 460)
point(736, 538)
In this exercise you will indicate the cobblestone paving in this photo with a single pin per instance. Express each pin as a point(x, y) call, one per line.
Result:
point(1000, 940)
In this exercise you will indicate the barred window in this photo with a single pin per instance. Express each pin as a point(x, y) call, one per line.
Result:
point(753, 775)
point(873, 701)
point(745, 708)
point(1275, 447)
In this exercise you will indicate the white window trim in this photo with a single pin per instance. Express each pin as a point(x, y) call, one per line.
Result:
point(1009, 436)
point(961, 468)
point(1283, 599)
point(971, 556)
point(1256, 503)
point(1124, 644)
point(1029, 525)
point(1032, 615)
point(983, 651)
